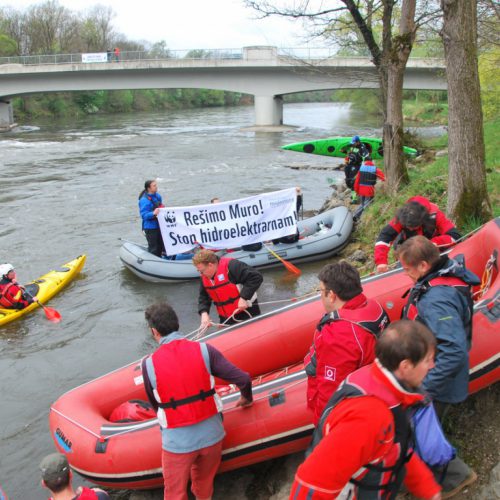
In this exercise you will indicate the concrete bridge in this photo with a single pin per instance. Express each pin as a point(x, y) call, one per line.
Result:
point(264, 72)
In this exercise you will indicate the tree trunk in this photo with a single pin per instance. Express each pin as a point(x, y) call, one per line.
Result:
point(467, 193)
point(397, 57)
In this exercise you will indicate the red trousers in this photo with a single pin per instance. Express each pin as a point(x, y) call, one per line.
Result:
point(200, 465)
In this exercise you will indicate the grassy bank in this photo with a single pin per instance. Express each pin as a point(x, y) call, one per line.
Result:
point(429, 178)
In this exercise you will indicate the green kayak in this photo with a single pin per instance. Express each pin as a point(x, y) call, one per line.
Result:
point(339, 147)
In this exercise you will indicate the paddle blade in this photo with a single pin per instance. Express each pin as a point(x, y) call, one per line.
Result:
point(52, 314)
point(291, 267)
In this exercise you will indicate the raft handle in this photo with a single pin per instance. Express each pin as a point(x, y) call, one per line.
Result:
point(277, 398)
point(101, 445)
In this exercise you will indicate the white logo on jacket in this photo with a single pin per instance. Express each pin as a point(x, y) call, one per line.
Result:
point(330, 373)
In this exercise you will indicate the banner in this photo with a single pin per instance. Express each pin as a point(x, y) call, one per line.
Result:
point(229, 224)
point(95, 57)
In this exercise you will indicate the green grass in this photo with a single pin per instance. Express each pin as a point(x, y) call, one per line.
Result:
point(429, 112)
point(430, 179)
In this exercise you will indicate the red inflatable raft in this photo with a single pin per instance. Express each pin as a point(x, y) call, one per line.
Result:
point(271, 349)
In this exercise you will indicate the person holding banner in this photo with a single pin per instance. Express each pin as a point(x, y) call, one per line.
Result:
point(150, 203)
point(229, 284)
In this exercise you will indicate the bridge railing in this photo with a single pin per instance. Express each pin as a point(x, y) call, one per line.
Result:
point(198, 54)
point(307, 53)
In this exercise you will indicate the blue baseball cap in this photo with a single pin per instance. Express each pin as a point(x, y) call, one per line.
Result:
point(355, 139)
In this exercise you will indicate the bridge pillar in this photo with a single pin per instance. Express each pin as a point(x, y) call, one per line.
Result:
point(6, 116)
point(268, 110)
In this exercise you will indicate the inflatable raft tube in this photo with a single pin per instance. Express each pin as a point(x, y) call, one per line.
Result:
point(322, 237)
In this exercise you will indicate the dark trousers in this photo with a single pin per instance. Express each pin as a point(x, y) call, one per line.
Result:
point(364, 202)
point(457, 471)
point(155, 241)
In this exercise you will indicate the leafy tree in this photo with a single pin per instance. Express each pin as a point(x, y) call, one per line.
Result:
point(489, 62)
point(97, 32)
point(159, 50)
point(8, 46)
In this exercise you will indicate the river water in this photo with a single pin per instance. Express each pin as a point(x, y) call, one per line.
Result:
point(70, 187)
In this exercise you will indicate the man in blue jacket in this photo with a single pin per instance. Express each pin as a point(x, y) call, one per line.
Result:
point(442, 300)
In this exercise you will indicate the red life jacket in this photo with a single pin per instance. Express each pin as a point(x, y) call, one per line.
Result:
point(185, 390)
point(371, 317)
point(383, 479)
point(410, 310)
point(224, 294)
point(8, 294)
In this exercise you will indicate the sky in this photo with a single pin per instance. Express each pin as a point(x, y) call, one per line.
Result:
point(192, 24)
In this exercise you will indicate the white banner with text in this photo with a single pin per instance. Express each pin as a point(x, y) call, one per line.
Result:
point(229, 224)
point(95, 57)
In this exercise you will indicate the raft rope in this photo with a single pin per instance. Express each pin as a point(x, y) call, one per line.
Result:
point(487, 276)
point(199, 332)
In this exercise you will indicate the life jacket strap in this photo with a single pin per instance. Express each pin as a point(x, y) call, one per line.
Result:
point(174, 403)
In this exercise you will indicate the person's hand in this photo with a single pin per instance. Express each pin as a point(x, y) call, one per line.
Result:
point(205, 322)
point(242, 304)
point(382, 268)
point(437, 496)
point(156, 211)
point(244, 402)
point(35, 299)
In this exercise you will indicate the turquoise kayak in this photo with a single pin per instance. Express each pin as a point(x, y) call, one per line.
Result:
point(339, 147)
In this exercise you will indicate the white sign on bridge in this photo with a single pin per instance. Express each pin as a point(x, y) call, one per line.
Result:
point(95, 57)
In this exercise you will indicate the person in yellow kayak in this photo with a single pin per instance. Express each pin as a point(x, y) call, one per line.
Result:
point(12, 295)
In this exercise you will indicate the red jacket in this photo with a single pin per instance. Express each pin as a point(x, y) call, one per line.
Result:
point(11, 295)
point(359, 431)
point(441, 231)
point(339, 348)
point(366, 178)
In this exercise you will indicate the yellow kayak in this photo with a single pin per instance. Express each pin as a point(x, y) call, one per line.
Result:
point(45, 287)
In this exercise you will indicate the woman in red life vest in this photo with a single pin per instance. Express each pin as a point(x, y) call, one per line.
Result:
point(12, 295)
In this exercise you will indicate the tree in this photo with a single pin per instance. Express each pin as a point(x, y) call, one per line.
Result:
point(96, 29)
point(8, 46)
point(374, 25)
point(467, 192)
point(160, 50)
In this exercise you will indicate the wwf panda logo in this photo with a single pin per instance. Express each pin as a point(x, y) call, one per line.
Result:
point(170, 217)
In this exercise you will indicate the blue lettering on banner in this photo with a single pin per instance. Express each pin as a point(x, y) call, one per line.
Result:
point(63, 441)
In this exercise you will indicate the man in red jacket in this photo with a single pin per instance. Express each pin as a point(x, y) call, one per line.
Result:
point(417, 216)
point(363, 445)
point(345, 337)
point(364, 184)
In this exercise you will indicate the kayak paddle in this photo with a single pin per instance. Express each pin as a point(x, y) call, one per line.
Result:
point(50, 313)
point(288, 265)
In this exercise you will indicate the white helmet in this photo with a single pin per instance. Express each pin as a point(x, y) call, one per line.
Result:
point(6, 269)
